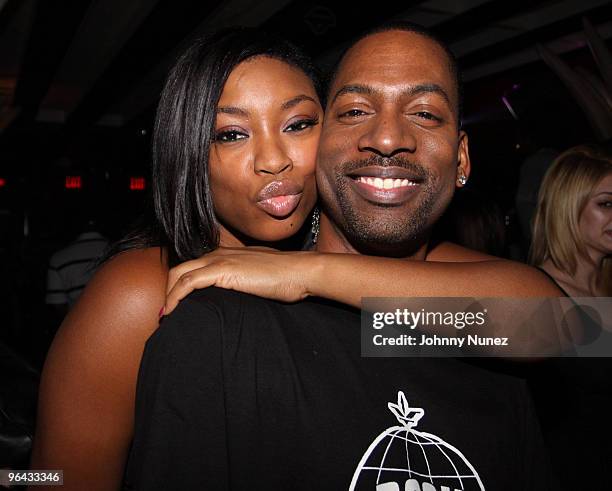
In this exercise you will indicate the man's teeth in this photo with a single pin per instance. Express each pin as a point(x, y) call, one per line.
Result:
point(380, 183)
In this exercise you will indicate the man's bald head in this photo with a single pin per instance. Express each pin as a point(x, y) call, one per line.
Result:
point(416, 29)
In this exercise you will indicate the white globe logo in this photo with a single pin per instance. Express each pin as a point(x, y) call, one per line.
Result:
point(401, 458)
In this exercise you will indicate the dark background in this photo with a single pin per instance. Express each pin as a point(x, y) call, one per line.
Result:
point(79, 82)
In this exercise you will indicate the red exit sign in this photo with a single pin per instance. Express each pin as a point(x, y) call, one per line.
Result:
point(73, 182)
point(137, 183)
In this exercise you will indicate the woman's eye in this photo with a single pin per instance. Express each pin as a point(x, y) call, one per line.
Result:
point(352, 113)
point(606, 204)
point(302, 125)
point(230, 136)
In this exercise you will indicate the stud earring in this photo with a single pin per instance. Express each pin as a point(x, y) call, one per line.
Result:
point(462, 179)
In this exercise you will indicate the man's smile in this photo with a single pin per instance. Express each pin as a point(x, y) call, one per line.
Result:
point(385, 192)
point(385, 185)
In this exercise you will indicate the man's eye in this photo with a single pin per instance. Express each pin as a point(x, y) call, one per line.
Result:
point(301, 125)
point(352, 113)
point(428, 115)
point(229, 136)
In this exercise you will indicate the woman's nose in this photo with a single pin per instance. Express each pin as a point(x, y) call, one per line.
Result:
point(272, 158)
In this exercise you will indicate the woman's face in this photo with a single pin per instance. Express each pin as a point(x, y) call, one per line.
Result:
point(596, 218)
point(262, 162)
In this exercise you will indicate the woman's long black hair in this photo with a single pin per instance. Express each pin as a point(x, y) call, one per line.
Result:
point(182, 219)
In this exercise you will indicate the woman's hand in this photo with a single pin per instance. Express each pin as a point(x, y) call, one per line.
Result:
point(259, 271)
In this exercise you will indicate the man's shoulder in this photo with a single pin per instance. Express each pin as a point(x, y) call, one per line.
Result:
point(207, 311)
point(210, 309)
point(449, 252)
point(225, 301)
point(204, 304)
point(222, 301)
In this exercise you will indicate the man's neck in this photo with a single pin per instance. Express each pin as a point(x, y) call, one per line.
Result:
point(332, 240)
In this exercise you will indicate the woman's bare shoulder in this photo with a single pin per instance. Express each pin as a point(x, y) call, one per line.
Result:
point(117, 311)
point(133, 266)
point(131, 285)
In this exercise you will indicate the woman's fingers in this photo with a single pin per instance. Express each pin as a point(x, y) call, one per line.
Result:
point(193, 279)
point(255, 270)
point(205, 260)
point(182, 269)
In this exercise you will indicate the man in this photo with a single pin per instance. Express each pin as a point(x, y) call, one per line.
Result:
point(240, 392)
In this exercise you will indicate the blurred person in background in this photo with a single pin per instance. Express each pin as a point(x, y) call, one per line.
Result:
point(572, 243)
point(572, 227)
point(71, 268)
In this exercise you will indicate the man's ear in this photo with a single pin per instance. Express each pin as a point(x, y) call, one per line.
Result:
point(463, 160)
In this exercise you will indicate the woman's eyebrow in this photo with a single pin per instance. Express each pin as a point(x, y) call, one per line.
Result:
point(236, 111)
point(294, 101)
point(604, 192)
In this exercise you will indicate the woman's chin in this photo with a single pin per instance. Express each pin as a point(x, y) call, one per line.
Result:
point(279, 235)
point(280, 231)
point(267, 231)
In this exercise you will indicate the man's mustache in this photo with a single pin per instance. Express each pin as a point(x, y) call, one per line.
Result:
point(415, 168)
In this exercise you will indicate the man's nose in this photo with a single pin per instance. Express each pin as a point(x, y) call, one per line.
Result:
point(272, 157)
point(388, 135)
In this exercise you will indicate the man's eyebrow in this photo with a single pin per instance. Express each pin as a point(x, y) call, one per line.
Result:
point(410, 92)
point(353, 89)
point(294, 101)
point(233, 110)
point(427, 89)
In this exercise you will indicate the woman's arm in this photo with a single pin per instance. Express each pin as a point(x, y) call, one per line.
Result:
point(449, 271)
point(347, 278)
point(86, 399)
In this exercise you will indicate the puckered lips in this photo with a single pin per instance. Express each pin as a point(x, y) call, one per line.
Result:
point(385, 185)
point(280, 198)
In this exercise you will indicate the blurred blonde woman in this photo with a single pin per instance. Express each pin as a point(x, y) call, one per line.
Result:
point(572, 227)
point(572, 243)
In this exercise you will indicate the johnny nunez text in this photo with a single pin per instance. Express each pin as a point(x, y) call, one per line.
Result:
point(434, 340)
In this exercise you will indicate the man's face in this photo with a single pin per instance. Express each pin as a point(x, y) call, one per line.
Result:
point(390, 151)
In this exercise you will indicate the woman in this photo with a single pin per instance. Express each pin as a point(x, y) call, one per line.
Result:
point(572, 228)
point(572, 243)
point(87, 391)
point(237, 176)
